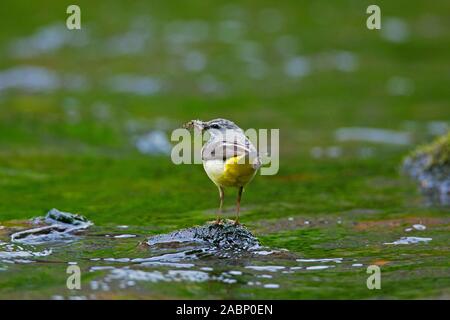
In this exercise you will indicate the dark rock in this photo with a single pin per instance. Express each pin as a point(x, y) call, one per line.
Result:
point(55, 226)
point(221, 236)
point(56, 216)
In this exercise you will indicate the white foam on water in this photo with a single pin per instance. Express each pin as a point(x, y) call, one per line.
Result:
point(13, 253)
point(410, 240)
point(168, 257)
point(271, 286)
point(264, 252)
point(235, 272)
point(318, 267)
point(157, 276)
point(122, 236)
point(101, 268)
point(206, 269)
point(99, 285)
point(117, 259)
point(336, 260)
point(266, 268)
point(169, 264)
point(188, 275)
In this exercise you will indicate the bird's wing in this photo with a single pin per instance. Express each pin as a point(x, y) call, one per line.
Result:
point(219, 149)
point(223, 150)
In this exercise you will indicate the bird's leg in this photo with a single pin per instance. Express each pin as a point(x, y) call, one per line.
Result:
point(238, 205)
point(221, 194)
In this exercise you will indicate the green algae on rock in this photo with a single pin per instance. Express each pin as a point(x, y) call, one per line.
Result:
point(430, 166)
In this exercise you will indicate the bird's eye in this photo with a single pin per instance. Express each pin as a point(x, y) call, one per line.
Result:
point(214, 126)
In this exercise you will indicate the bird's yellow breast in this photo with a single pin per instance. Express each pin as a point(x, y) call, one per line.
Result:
point(229, 173)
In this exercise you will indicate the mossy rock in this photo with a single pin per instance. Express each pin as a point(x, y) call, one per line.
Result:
point(435, 154)
point(430, 166)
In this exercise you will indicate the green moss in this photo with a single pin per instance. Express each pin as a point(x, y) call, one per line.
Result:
point(438, 152)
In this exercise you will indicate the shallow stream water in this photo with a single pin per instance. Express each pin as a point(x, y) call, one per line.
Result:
point(120, 262)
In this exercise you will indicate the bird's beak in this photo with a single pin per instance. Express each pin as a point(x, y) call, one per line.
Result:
point(197, 124)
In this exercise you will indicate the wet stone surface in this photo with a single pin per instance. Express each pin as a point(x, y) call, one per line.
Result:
point(226, 235)
point(55, 226)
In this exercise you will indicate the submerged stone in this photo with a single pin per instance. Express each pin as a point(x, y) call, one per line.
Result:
point(430, 166)
point(55, 226)
point(220, 236)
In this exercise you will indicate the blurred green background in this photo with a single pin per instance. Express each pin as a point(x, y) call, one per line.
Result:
point(85, 115)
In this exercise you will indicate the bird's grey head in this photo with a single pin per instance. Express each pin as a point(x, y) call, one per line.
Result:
point(215, 124)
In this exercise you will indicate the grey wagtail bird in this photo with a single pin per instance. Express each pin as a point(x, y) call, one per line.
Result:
point(229, 158)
